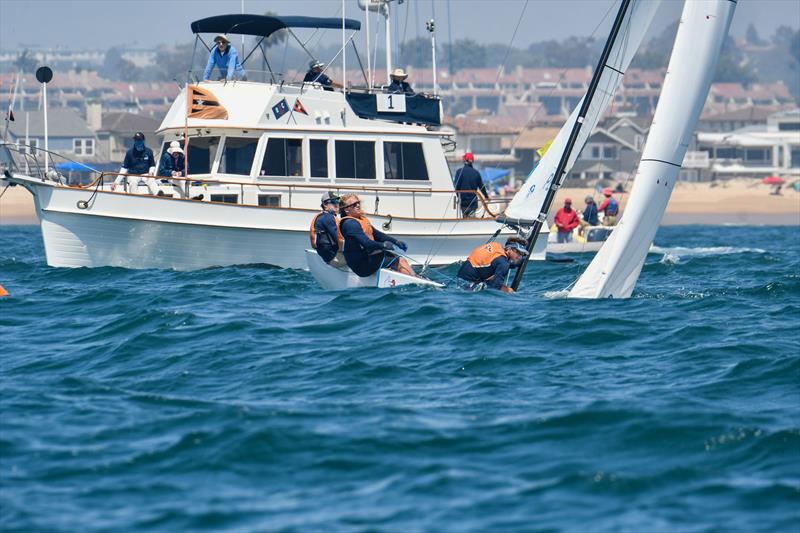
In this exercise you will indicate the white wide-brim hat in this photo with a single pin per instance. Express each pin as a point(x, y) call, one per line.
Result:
point(174, 146)
point(221, 37)
point(399, 73)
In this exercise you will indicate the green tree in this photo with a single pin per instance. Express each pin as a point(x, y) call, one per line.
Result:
point(752, 37)
point(25, 62)
point(468, 54)
point(116, 67)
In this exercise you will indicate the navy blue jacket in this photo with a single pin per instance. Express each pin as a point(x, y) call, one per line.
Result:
point(357, 246)
point(590, 214)
point(493, 275)
point(400, 87)
point(327, 236)
point(139, 162)
point(468, 179)
point(322, 79)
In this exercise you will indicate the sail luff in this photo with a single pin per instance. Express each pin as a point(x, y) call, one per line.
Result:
point(615, 269)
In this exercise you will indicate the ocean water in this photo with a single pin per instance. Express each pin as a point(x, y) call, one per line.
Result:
point(248, 399)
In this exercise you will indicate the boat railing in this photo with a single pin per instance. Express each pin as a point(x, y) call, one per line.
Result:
point(30, 160)
point(294, 189)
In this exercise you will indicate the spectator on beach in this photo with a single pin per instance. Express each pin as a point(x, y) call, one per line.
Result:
point(225, 57)
point(609, 208)
point(315, 75)
point(566, 220)
point(489, 264)
point(469, 181)
point(366, 250)
point(139, 160)
point(324, 231)
point(399, 84)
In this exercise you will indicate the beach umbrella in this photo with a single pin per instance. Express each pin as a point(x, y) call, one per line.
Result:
point(773, 180)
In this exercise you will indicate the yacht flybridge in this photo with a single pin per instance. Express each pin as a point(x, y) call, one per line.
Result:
point(261, 154)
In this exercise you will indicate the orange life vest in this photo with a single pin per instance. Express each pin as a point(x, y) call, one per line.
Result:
point(313, 231)
point(483, 255)
point(365, 225)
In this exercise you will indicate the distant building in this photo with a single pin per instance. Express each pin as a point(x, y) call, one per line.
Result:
point(770, 148)
point(116, 131)
point(68, 134)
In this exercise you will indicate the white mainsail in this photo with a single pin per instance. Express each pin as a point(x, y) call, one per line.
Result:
point(528, 202)
point(615, 269)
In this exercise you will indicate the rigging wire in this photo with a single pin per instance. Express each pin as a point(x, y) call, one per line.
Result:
point(502, 66)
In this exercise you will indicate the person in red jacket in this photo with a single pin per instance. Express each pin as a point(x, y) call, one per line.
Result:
point(566, 220)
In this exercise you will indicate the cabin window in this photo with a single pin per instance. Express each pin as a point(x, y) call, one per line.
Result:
point(404, 161)
point(237, 157)
point(355, 159)
point(201, 154)
point(269, 200)
point(318, 152)
point(225, 198)
point(283, 157)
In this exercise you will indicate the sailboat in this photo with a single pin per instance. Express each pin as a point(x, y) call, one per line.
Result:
point(615, 269)
point(528, 210)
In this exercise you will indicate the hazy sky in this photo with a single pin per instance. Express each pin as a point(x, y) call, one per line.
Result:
point(101, 24)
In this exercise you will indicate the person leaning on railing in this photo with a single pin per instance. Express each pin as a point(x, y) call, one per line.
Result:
point(225, 57)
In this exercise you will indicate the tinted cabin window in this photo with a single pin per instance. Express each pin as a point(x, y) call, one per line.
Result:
point(404, 161)
point(202, 152)
point(238, 156)
point(319, 158)
point(355, 159)
point(269, 200)
point(283, 157)
point(225, 198)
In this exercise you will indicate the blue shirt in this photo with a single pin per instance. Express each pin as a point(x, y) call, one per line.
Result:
point(590, 214)
point(320, 78)
point(227, 63)
point(468, 179)
point(139, 162)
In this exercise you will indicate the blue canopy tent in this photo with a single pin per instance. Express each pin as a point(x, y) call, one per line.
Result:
point(492, 174)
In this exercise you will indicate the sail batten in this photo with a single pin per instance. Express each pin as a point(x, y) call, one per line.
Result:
point(615, 269)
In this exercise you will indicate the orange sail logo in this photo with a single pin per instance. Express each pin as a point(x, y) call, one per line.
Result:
point(203, 104)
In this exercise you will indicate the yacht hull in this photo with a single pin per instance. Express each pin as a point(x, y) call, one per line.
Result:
point(135, 231)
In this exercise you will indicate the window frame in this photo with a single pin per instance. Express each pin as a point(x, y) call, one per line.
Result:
point(221, 153)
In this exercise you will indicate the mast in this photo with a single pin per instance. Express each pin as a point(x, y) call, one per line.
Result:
point(560, 174)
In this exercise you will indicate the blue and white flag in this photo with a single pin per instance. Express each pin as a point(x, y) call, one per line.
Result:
point(280, 109)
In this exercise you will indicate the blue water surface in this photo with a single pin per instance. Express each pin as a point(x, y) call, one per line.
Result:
point(248, 399)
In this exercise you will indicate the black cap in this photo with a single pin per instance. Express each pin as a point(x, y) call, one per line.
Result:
point(138, 136)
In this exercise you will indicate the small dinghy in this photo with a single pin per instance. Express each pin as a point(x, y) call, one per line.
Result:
point(332, 278)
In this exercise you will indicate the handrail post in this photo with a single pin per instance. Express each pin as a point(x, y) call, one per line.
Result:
point(414, 203)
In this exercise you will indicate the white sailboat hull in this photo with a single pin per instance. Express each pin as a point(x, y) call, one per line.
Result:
point(135, 231)
point(331, 278)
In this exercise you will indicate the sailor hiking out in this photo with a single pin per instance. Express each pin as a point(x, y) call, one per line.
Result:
point(488, 264)
point(324, 231)
point(366, 250)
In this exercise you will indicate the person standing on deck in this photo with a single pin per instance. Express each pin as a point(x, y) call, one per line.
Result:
point(324, 232)
point(490, 263)
point(225, 57)
point(139, 160)
point(468, 179)
point(589, 217)
point(566, 220)
point(366, 249)
point(609, 208)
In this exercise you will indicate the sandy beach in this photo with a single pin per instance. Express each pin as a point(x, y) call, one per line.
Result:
point(740, 201)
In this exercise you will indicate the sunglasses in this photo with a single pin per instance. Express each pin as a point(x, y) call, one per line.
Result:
point(334, 201)
point(354, 204)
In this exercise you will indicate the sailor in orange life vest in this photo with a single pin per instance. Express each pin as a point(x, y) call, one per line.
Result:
point(324, 231)
point(489, 264)
point(366, 249)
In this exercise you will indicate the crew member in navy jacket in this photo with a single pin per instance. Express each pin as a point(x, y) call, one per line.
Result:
point(468, 179)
